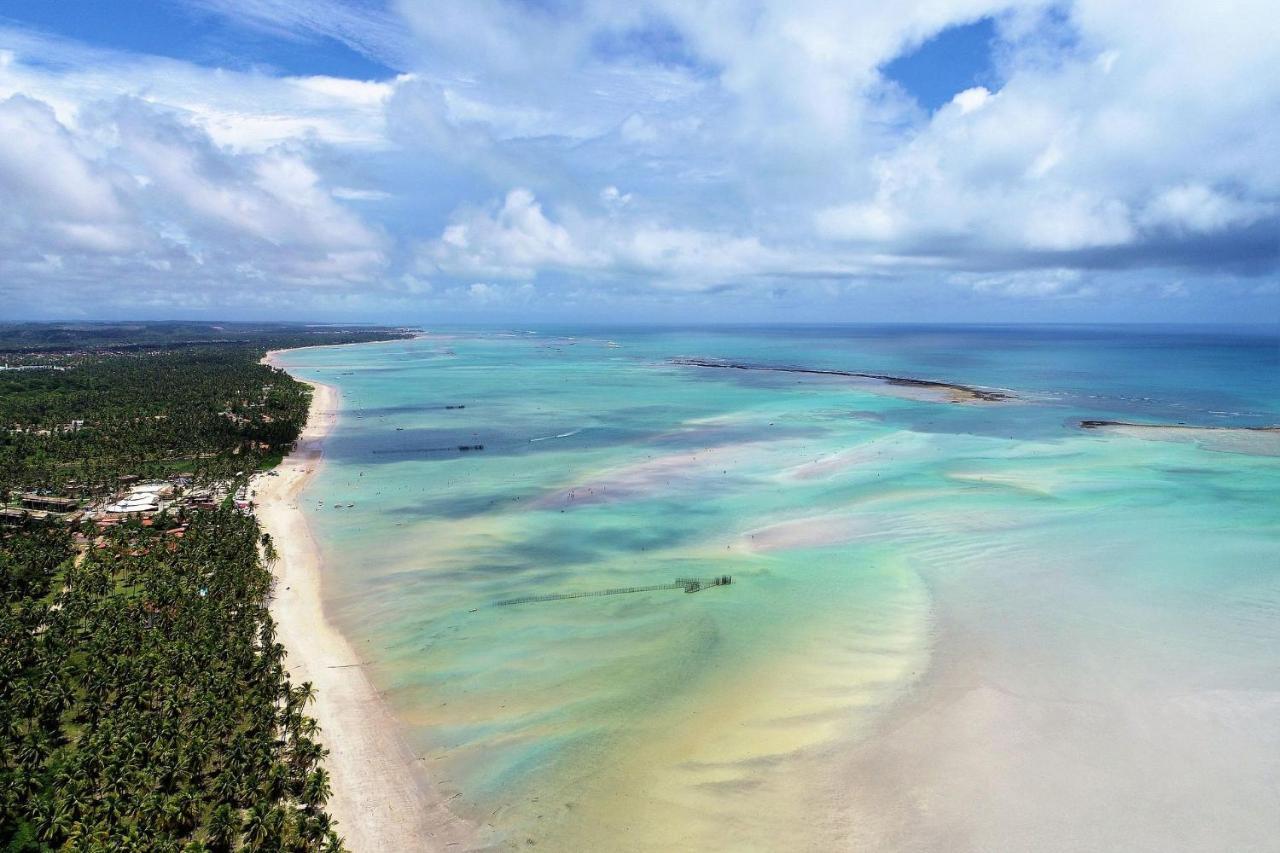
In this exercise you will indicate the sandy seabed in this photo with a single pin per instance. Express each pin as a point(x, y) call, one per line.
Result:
point(1062, 705)
point(381, 799)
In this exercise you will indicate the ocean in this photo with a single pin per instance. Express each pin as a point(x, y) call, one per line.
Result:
point(953, 622)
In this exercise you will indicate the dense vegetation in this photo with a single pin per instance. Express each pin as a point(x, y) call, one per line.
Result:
point(27, 341)
point(145, 414)
point(145, 704)
point(86, 417)
point(143, 699)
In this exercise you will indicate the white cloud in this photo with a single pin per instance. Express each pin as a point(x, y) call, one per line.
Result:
point(138, 189)
point(736, 144)
point(1074, 220)
point(637, 130)
point(971, 99)
point(354, 194)
point(866, 222)
point(1117, 139)
point(611, 196)
point(513, 241)
point(246, 110)
point(1196, 208)
point(484, 295)
point(1034, 284)
point(517, 240)
point(1096, 115)
point(274, 196)
point(363, 27)
point(51, 191)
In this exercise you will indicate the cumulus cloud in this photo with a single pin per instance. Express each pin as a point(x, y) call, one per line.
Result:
point(614, 197)
point(140, 192)
point(675, 146)
point(274, 197)
point(1118, 142)
point(1097, 141)
point(1197, 208)
point(52, 194)
point(516, 239)
point(971, 99)
point(513, 241)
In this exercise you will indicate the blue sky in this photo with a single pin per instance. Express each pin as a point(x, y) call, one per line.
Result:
point(195, 33)
point(497, 160)
point(949, 62)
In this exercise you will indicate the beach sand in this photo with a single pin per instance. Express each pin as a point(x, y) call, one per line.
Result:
point(381, 798)
point(1029, 733)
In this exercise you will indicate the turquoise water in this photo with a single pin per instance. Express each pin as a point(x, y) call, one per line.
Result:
point(891, 552)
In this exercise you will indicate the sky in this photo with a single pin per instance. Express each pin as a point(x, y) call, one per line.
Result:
point(507, 161)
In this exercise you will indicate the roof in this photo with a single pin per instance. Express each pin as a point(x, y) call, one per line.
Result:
point(32, 497)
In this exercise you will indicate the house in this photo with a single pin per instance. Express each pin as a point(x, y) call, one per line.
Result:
point(31, 500)
point(12, 515)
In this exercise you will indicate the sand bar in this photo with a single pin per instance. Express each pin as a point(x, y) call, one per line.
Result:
point(381, 799)
point(1257, 441)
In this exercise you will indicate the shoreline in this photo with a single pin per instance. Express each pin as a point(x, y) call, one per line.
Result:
point(381, 799)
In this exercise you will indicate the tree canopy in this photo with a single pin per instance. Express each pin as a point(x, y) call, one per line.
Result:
point(144, 700)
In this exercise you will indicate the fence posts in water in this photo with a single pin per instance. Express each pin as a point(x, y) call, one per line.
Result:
point(687, 584)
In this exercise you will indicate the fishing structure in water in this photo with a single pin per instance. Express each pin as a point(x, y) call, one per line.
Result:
point(687, 584)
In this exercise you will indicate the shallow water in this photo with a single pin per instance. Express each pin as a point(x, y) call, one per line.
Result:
point(877, 543)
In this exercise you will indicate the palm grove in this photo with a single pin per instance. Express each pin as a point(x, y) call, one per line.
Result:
point(144, 700)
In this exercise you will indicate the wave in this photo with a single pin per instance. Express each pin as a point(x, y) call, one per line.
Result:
point(559, 435)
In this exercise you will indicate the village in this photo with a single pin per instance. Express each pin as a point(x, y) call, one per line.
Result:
point(171, 499)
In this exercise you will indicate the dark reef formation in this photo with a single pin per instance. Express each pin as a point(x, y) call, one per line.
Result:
point(959, 393)
point(1132, 425)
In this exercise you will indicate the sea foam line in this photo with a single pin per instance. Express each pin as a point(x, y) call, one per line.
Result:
point(560, 435)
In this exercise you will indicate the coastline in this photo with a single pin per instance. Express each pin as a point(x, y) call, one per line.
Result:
point(381, 799)
point(1058, 697)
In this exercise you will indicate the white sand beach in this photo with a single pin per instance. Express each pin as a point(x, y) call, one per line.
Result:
point(381, 799)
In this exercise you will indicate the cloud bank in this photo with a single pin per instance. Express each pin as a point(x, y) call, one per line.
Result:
point(612, 157)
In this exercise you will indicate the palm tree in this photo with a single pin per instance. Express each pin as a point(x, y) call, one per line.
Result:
point(179, 704)
point(316, 791)
point(306, 693)
point(277, 783)
point(257, 827)
point(53, 822)
point(224, 827)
